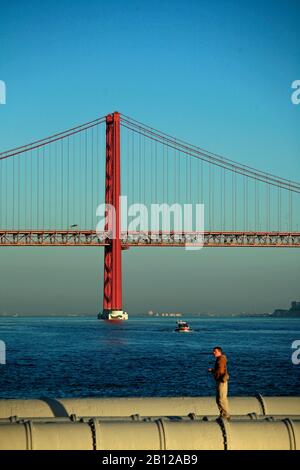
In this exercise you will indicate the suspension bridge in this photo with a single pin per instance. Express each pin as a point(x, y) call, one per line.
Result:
point(50, 190)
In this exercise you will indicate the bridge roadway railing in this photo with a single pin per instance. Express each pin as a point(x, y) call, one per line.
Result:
point(152, 239)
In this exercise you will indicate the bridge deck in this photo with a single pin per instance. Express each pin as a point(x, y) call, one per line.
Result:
point(153, 239)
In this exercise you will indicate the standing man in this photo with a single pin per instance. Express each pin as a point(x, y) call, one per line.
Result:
point(221, 377)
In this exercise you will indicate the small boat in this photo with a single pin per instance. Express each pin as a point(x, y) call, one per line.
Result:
point(182, 327)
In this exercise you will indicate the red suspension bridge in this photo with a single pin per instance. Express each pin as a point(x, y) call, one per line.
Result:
point(50, 191)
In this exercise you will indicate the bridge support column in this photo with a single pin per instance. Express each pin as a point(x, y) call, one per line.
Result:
point(112, 290)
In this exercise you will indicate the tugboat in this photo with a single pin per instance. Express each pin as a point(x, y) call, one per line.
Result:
point(182, 327)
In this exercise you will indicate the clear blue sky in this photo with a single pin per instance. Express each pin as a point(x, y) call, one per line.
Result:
point(217, 74)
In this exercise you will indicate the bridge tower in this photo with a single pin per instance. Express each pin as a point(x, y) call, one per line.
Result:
point(112, 289)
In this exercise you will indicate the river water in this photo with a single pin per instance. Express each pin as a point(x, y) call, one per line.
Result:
point(85, 357)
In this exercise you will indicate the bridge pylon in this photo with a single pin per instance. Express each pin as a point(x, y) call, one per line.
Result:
point(112, 288)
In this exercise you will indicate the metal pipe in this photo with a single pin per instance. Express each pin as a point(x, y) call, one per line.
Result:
point(158, 434)
point(86, 419)
point(154, 406)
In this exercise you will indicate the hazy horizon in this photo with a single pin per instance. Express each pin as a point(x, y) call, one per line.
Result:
point(221, 280)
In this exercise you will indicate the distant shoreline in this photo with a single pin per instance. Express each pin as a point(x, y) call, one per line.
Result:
point(283, 314)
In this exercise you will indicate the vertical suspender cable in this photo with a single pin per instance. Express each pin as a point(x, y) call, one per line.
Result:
point(198, 182)
point(269, 208)
point(13, 193)
point(255, 206)
point(38, 189)
point(86, 178)
point(163, 173)
point(212, 197)
point(235, 201)
point(179, 183)
point(62, 183)
point(56, 186)
point(127, 164)
point(167, 174)
point(43, 187)
point(202, 181)
point(49, 186)
point(175, 174)
point(80, 176)
point(151, 172)
point(1, 195)
point(186, 178)
point(190, 182)
point(247, 203)
point(6, 193)
point(68, 182)
point(19, 200)
point(92, 176)
point(156, 171)
point(132, 167)
point(25, 192)
point(266, 207)
point(290, 210)
point(279, 209)
point(258, 209)
point(74, 155)
point(139, 167)
point(144, 171)
point(221, 198)
point(224, 199)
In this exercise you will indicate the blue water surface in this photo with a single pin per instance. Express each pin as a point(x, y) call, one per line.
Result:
point(85, 357)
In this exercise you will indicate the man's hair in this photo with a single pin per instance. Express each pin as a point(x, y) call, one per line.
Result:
point(218, 348)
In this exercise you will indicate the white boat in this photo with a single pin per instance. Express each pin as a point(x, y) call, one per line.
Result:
point(182, 327)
